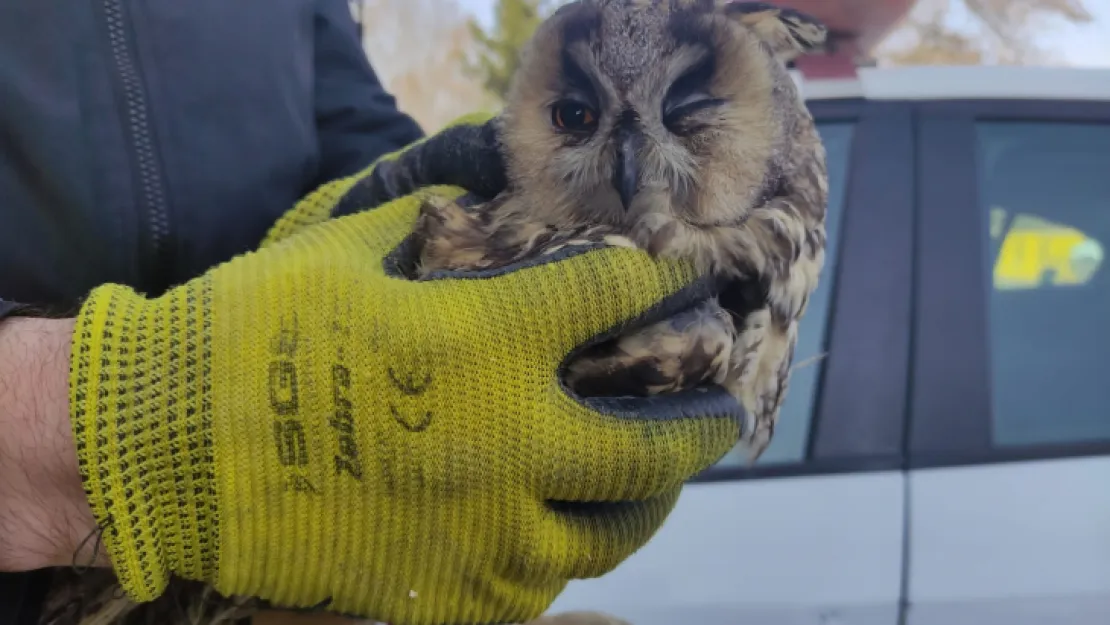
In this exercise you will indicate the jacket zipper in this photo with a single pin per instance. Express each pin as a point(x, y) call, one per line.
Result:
point(151, 194)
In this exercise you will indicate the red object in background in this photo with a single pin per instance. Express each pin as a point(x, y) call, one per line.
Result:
point(855, 28)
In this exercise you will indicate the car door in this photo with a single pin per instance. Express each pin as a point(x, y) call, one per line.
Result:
point(1009, 493)
point(814, 532)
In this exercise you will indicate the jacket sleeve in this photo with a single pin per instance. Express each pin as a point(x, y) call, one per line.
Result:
point(356, 119)
point(22, 596)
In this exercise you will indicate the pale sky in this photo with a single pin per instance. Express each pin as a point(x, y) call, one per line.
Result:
point(1086, 46)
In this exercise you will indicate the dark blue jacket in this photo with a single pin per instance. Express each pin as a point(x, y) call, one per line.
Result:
point(144, 141)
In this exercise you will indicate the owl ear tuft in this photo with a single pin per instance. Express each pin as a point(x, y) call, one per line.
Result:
point(789, 33)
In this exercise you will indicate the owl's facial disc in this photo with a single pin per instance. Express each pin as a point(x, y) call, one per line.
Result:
point(623, 124)
point(627, 112)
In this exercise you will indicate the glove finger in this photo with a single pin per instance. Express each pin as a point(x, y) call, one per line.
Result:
point(314, 208)
point(583, 540)
point(634, 449)
point(464, 155)
point(378, 234)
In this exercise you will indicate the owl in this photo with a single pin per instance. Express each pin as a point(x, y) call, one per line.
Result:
point(672, 126)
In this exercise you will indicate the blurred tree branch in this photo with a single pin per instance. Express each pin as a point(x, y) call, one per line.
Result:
point(499, 48)
point(1011, 22)
point(1002, 32)
point(419, 49)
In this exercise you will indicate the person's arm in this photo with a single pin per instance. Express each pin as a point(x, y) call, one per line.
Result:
point(356, 118)
point(44, 516)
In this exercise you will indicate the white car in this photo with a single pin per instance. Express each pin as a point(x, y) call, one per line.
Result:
point(948, 462)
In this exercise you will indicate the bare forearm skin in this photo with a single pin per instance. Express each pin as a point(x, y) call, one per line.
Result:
point(44, 516)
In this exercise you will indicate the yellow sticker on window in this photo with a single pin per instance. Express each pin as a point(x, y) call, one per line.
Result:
point(1036, 253)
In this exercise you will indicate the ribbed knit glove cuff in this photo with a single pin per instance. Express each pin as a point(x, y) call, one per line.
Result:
point(141, 415)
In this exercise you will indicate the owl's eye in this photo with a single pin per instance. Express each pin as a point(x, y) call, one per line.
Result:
point(675, 112)
point(573, 116)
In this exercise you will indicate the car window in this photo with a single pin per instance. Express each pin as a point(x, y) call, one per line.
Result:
point(792, 432)
point(1045, 199)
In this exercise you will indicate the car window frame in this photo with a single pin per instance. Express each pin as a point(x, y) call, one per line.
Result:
point(951, 404)
point(863, 384)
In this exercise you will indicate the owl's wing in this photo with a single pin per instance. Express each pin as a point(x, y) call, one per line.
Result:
point(760, 375)
point(454, 237)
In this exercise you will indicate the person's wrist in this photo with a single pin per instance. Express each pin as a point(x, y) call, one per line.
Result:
point(44, 515)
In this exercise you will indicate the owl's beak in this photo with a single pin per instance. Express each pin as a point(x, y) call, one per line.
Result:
point(626, 175)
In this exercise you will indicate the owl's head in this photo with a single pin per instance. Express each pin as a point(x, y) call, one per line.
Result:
point(626, 107)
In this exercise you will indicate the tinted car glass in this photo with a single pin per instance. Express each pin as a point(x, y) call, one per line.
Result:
point(1045, 202)
point(792, 433)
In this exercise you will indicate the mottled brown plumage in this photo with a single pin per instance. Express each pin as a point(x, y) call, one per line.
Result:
point(687, 139)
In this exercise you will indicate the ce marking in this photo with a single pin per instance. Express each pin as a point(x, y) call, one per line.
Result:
point(411, 385)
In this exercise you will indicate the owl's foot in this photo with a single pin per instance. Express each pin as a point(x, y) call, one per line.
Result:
point(683, 352)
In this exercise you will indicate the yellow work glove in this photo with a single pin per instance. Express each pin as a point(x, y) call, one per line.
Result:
point(304, 425)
